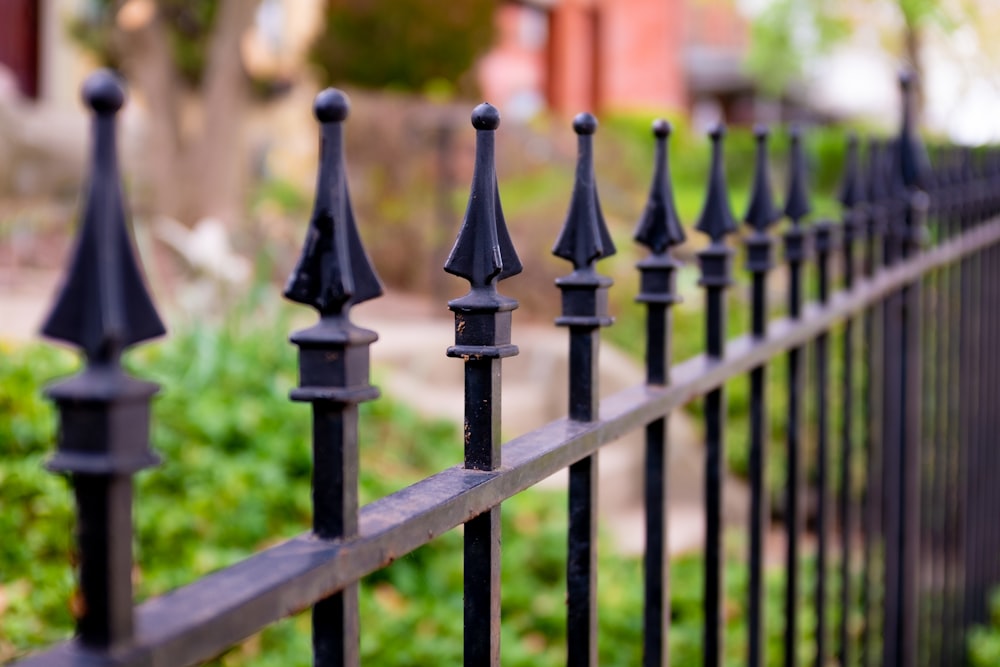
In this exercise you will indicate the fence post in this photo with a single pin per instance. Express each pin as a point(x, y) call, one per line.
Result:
point(583, 240)
point(484, 255)
point(903, 390)
point(103, 308)
point(659, 229)
point(334, 273)
point(851, 198)
point(796, 250)
point(761, 215)
point(716, 222)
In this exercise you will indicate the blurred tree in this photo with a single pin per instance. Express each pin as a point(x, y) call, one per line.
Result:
point(183, 59)
point(410, 45)
point(788, 35)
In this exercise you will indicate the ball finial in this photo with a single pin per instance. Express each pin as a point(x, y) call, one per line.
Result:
point(717, 132)
point(585, 123)
point(104, 92)
point(760, 131)
point(485, 117)
point(661, 128)
point(331, 106)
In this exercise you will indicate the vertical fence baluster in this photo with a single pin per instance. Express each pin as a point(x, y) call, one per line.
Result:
point(874, 328)
point(953, 303)
point(823, 231)
point(484, 255)
point(796, 243)
point(716, 222)
point(903, 413)
point(761, 215)
point(103, 308)
point(334, 273)
point(659, 230)
point(851, 198)
point(584, 240)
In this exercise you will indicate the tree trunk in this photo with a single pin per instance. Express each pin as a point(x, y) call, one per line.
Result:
point(219, 158)
point(913, 40)
point(194, 170)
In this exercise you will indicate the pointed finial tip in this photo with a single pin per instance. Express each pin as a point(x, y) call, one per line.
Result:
point(104, 92)
point(585, 123)
point(661, 128)
point(331, 106)
point(485, 117)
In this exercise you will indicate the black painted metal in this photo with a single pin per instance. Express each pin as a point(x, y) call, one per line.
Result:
point(104, 308)
point(484, 255)
point(823, 245)
point(332, 274)
point(200, 620)
point(761, 215)
point(659, 230)
point(875, 229)
point(796, 248)
point(716, 222)
point(852, 199)
point(904, 407)
point(584, 239)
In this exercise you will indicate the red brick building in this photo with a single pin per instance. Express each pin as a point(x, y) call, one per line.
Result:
point(570, 55)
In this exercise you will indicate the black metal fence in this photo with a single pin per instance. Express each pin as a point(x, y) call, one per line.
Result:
point(909, 315)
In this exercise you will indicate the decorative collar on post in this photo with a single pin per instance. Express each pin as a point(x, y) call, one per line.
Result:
point(659, 229)
point(797, 203)
point(852, 199)
point(762, 214)
point(483, 254)
point(103, 308)
point(584, 239)
point(333, 273)
point(716, 220)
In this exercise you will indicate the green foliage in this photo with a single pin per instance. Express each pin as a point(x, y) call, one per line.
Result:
point(189, 28)
point(235, 479)
point(408, 45)
point(984, 640)
point(788, 35)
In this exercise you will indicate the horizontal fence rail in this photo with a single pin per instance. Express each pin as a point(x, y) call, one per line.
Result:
point(902, 365)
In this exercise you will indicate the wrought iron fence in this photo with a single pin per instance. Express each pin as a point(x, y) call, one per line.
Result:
point(917, 313)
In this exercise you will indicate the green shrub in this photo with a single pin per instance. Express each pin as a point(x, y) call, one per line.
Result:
point(984, 640)
point(235, 479)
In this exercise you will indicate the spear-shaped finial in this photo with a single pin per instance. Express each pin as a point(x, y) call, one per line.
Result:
point(103, 306)
point(852, 188)
point(761, 212)
point(333, 271)
point(660, 226)
point(483, 252)
point(716, 216)
point(584, 237)
point(797, 204)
